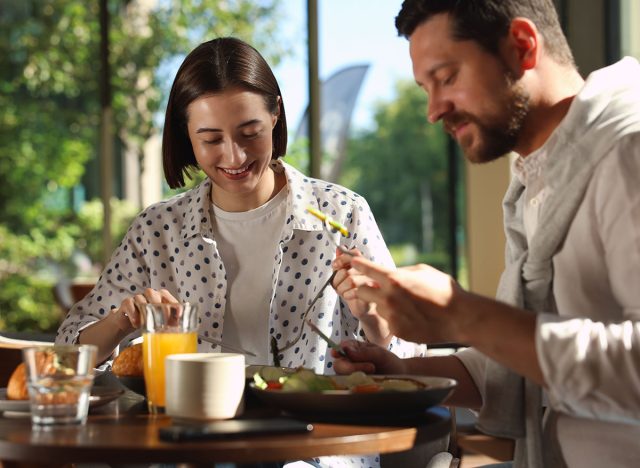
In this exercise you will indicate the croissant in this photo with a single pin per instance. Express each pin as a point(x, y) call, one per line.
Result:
point(129, 362)
point(17, 387)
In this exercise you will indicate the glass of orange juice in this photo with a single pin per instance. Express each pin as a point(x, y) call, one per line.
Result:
point(169, 328)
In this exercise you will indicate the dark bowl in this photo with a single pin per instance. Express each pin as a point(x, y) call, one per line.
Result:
point(133, 383)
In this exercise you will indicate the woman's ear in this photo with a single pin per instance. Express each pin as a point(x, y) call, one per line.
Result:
point(276, 116)
point(522, 46)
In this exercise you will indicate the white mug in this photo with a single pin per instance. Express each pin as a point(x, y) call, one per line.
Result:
point(205, 386)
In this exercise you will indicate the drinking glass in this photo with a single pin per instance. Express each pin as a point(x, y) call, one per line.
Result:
point(59, 379)
point(167, 329)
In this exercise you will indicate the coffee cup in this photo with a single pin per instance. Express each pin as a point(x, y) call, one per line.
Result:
point(205, 386)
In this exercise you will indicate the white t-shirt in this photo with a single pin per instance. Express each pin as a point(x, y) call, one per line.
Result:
point(247, 242)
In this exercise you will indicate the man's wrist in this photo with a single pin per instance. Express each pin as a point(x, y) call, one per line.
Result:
point(466, 315)
point(376, 329)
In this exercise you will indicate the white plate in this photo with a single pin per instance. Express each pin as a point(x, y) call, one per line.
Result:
point(12, 405)
point(99, 396)
point(383, 402)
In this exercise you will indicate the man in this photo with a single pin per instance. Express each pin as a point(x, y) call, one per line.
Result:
point(500, 76)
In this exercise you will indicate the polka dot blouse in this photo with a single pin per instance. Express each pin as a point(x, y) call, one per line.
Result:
point(171, 245)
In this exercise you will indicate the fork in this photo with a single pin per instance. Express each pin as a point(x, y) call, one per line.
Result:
point(290, 344)
point(330, 226)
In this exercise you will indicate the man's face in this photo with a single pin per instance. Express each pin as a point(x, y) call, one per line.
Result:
point(470, 90)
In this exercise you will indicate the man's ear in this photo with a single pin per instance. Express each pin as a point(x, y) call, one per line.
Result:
point(522, 46)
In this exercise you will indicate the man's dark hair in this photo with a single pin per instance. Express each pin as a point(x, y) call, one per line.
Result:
point(487, 21)
point(212, 68)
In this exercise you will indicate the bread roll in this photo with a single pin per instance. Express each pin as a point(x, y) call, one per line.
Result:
point(129, 362)
point(17, 387)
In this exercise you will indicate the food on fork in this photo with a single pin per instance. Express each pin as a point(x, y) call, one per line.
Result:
point(332, 222)
point(129, 362)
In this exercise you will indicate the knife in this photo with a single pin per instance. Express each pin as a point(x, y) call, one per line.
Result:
point(226, 346)
point(332, 344)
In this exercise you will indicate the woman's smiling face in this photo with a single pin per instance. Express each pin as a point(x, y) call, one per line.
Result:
point(231, 136)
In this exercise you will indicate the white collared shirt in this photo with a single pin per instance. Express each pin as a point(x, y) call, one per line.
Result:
point(589, 352)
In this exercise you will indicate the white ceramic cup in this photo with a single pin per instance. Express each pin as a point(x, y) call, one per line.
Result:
point(205, 386)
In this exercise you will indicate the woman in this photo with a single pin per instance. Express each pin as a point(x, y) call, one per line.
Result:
point(241, 245)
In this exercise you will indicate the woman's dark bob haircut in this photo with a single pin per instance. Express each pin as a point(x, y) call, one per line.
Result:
point(212, 68)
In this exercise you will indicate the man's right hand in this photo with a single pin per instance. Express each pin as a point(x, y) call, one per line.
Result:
point(367, 357)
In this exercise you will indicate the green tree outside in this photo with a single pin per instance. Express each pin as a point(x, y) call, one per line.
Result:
point(49, 121)
point(400, 167)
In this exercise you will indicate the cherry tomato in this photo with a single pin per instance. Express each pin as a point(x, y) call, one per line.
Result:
point(366, 388)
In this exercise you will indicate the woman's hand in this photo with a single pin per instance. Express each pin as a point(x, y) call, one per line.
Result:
point(128, 316)
point(107, 333)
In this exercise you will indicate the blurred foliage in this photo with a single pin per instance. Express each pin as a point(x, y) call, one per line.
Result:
point(50, 121)
point(298, 155)
point(400, 167)
point(89, 220)
point(68, 246)
point(49, 92)
point(28, 304)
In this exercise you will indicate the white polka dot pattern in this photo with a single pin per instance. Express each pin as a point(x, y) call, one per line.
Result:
point(170, 245)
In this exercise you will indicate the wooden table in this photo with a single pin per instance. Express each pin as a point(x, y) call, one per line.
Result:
point(122, 432)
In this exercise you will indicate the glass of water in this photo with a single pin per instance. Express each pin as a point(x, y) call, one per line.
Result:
point(59, 379)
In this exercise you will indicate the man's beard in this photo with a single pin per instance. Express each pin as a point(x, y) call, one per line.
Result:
point(499, 135)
